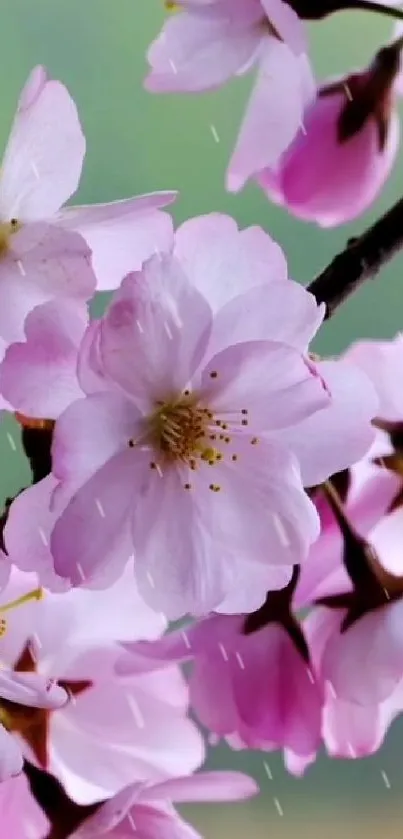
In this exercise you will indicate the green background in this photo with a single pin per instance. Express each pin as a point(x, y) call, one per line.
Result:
point(139, 142)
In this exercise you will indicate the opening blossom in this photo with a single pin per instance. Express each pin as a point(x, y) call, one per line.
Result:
point(202, 45)
point(336, 166)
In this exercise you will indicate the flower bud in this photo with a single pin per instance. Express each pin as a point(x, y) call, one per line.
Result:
point(343, 154)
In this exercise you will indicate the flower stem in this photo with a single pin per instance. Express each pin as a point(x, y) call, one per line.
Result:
point(361, 260)
point(378, 8)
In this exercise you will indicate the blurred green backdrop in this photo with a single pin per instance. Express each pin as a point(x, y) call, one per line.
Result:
point(138, 142)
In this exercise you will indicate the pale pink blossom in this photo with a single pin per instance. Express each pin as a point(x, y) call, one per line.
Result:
point(42, 253)
point(203, 45)
point(162, 318)
point(112, 730)
point(339, 161)
point(186, 447)
point(268, 696)
point(146, 810)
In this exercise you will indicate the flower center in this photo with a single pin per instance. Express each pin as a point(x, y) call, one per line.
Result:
point(179, 429)
point(7, 228)
point(185, 432)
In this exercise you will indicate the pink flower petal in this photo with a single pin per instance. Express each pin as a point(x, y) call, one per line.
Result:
point(122, 234)
point(11, 760)
point(273, 116)
point(291, 393)
point(44, 263)
point(382, 361)
point(277, 699)
point(19, 810)
point(91, 530)
point(262, 514)
point(254, 315)
point(88, 433)
point(365, 663)
point(43, 160)
point(39, 377)
point(204, 786)
point(31, 689)
point(346, 177)
point(199, 51)
point(27, 532)
point(162, 321)
point(223, 262)
point(346, 421)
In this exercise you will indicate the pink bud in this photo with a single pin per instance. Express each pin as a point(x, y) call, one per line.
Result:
point(345, 151)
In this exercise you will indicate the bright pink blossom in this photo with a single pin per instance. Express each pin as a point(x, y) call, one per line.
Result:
point(344, 152)
point(268, 697)
point(204, 44)
point(112, 730)
point(147, 810)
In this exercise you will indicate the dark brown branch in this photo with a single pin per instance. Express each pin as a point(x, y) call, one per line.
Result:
point(319, 9)
point(37, 443)
point(361, 260)
point(63, 814)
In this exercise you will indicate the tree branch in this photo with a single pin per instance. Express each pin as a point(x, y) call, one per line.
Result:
point(63, 814)
point(360, 261)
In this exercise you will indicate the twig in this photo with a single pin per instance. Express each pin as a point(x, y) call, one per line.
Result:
point(63, 814)
point(361, 260)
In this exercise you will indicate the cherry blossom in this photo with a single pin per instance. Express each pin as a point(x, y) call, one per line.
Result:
point(175, 429)
point(352, 132)
point(42, 253)
point(111, 730)
point(202, 45)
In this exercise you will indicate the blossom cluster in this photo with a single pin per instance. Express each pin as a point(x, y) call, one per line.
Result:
point(192, 459)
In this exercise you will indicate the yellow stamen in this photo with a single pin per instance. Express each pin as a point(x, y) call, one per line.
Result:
point(7, 228)
point(36, 594)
